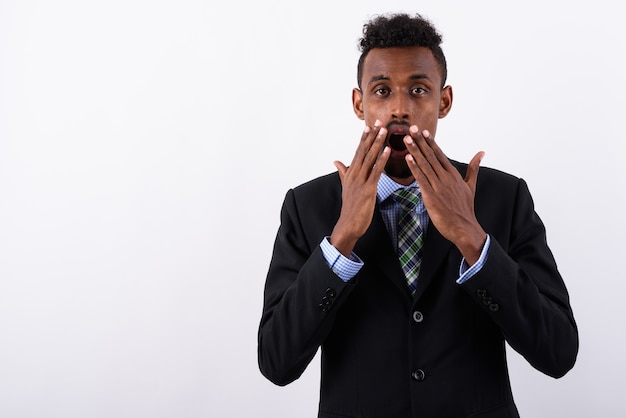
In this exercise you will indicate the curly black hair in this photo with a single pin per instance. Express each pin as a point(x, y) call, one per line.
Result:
point(401, 30)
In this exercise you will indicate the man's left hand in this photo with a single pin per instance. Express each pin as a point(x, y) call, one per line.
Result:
point(448, 198)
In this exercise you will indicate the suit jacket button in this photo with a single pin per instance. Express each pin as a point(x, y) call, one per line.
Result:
point(322, 307)
point(326, 301)
point(417, 316)
point(481, 293)
point(418, 375)
point(331, 292)
point(494, 307)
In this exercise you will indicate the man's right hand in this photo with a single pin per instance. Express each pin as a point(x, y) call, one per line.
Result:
point(359, 184)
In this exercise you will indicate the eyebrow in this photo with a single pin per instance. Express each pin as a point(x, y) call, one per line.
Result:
point(384, 77)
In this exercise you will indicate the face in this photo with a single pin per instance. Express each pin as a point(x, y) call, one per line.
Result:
point(401, 87)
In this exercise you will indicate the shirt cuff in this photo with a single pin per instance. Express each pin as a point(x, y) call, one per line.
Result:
point(345, 268)
point(466, 271)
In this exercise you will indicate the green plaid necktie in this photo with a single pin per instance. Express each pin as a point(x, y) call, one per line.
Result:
point(410, 235)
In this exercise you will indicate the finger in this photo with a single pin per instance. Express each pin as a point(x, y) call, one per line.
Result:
point(341, 169)
point(437, 152)
point(412, 143)
point(364, 135)
point(381, 161)
point(420, 176)
point(472, 170)
point(367, 138)
point(375, 149)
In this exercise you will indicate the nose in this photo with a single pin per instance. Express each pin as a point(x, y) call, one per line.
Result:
point(400, 107)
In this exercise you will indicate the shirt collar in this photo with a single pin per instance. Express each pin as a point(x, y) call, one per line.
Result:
point(386, 186)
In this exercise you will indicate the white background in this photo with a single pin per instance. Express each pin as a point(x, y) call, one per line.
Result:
point(131, 264)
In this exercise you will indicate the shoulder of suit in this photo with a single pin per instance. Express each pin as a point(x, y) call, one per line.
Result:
point(321, 192)
point(488, 174)
point(330, 184)
point(325, 182)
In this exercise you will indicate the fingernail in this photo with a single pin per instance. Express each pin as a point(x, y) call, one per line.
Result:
point(377, 123)
point(413, 129)
point(408, 140)
point(425, 134)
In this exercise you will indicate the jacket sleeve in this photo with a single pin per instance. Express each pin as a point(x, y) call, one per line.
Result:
point(520, 288)
point(301, 297)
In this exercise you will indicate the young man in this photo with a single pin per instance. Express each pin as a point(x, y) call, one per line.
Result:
point(411, 306)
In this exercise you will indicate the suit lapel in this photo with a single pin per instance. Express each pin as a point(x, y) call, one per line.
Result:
point(435, 252)
point(376, 249)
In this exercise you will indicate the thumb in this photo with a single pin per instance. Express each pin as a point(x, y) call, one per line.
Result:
point(472, 170)
point(341, 169)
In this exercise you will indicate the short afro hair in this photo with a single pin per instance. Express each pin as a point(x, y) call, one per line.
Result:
point(401, 30)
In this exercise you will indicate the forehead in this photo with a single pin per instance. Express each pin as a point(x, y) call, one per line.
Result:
point(401, 63)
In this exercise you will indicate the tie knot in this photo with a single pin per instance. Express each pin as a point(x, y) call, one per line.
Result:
point(407, 198)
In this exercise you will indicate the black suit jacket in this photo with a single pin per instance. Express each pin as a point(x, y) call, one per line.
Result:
point(439, 353)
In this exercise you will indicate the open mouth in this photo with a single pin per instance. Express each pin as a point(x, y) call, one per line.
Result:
point(396, 141)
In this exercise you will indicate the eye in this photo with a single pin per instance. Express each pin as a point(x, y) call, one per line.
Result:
point(381, 91)
point(418, 91)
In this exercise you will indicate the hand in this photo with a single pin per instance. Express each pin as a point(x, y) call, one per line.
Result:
point(448, 198)
point(359, 186)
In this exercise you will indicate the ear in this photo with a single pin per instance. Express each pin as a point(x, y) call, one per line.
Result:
point(445, 103)
point(357, 103)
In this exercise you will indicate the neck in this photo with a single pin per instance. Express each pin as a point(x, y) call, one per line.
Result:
point(405, 181)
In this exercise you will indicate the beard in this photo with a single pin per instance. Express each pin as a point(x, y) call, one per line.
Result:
point(398, 168)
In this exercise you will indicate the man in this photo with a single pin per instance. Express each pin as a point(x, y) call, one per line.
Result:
point(411, 306)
